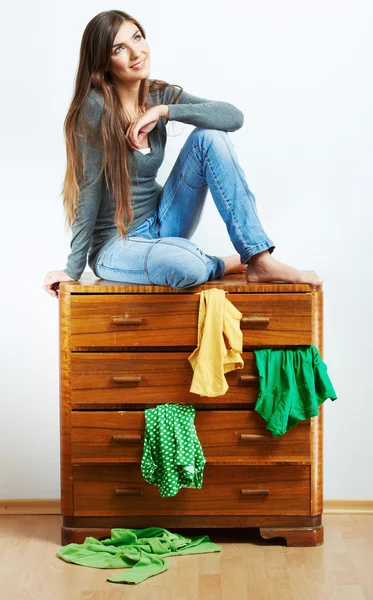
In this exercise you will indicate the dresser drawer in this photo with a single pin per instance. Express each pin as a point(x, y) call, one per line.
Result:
point(226, 490)
point(125, 320)
point(114, 379)
point(226, 436)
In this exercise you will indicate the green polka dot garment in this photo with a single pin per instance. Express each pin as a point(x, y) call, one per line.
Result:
point(172, 456)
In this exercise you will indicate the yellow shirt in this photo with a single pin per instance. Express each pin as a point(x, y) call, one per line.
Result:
point(219, 345)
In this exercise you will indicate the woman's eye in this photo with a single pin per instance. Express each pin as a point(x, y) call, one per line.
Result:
point(120, 47)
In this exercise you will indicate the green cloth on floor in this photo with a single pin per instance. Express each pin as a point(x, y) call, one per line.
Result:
point(292, 384)
point(172, 454)
point(141, 549)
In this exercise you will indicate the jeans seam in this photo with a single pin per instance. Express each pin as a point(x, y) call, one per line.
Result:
point(257, 245)
point(132, 271)
point(139, 241)
point(226, 201)
point(248, 254)
point(267, 243)
point(161, 217)
point(146, 272)
point(235, 167)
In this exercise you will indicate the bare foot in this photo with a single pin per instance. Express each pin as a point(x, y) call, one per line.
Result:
point(233, 264)
point(263, 267)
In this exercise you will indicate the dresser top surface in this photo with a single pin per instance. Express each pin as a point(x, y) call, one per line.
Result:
point(89, 284)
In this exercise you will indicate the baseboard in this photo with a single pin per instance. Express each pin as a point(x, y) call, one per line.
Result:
point(335, 507)
point(30, 507)
point(53, 507)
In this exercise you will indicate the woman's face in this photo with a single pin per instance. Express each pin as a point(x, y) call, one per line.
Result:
point(129, 48)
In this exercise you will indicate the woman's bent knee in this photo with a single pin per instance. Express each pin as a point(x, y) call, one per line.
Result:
point(205, 138)
point(208, 134)
point(175, 266)
point(187, 275)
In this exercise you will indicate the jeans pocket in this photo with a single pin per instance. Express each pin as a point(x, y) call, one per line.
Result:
point(198, 188)
point(105, 258)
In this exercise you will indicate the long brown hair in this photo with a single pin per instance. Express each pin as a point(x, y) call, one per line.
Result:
point(95, 52)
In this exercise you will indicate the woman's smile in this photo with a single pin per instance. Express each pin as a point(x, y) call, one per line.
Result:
point(139, 65)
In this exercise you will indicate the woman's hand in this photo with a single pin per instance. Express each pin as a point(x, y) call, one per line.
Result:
point(140, 126)
point(52, 281)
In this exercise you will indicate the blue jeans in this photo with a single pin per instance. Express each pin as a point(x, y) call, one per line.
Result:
point(159, 251)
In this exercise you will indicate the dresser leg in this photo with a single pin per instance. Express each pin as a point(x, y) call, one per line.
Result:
point(295, 536)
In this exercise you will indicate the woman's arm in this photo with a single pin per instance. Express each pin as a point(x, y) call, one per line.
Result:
point(201, 112)
point(90, 195)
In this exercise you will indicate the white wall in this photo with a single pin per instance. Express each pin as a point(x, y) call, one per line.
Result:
point(302, 74)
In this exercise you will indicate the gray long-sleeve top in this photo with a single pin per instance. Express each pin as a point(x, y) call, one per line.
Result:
point(93, 229)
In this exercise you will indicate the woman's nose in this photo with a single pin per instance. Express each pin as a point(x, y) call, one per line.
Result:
point(134, 52)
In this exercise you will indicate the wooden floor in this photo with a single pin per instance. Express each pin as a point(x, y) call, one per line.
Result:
point(246, 568)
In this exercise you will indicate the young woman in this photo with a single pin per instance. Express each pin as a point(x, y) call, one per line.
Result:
point(132, 229)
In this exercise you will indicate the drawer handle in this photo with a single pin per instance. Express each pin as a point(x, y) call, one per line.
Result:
point(126, 320)
point(255, 321)
point(126, 437)
point(247, 437)
point(121, 492)
point(249, 378)
point(127, 378)
point(255, 492)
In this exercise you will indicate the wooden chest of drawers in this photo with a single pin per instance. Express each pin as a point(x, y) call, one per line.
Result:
point(125, 348)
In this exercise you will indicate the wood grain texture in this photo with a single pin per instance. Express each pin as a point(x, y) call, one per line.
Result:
point(89, 284)
point(295, 536)
point(108, 320)
point(126, 348)
point(52, 506)
point(227, 437)
point(66, 472)
point(96, 492)
point(164, 377)
point(192, 521)
point(317, 423)
point(248, 567)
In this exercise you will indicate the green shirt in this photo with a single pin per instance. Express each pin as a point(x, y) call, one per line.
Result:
point(141, 549)
point(292, 384)
point(172, 455)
